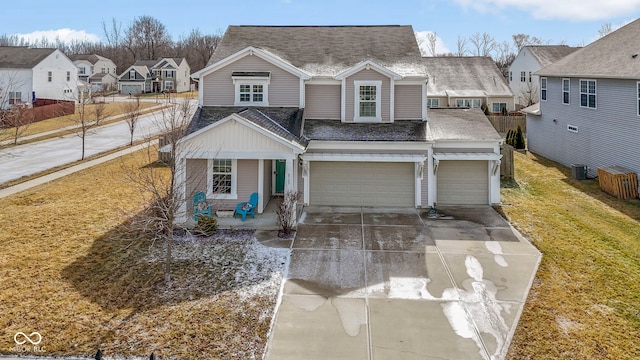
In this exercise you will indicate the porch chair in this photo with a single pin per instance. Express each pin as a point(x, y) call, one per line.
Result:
point(200, 206)
point(247, 208)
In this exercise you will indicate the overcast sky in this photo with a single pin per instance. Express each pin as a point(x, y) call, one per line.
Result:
point(575, 22)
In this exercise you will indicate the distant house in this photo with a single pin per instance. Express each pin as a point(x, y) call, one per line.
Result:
point(338, 113)
point(96, 70)
point(28, 74)
point(589, 111)
point(522, 79)
point(467, 82)
point(166, 74)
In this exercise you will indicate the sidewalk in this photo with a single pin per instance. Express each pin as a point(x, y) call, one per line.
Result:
point(70, 170)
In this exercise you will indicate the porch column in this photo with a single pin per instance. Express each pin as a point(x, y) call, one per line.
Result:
point(289, 181)
point(305, 178)
point(419, 170)
point(432, 183)
point(260, 186)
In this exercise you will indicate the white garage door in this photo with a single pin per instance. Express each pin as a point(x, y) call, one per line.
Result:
point(463, 182)
point(362, 184)
point(130, 89)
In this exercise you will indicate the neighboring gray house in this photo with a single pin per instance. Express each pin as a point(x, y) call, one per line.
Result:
point(467, 82)
point(589, 111)
point(166, 74)
point(338, 113)
point(96, 70)
point(522, 79)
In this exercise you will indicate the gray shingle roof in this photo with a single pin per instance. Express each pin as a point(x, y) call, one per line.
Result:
point(328, 50)
point(460, 124)
point(465, 74)
point(608, 57)
point(92, 58)
point(285, 122)
point(548, 54)
point(333, 130)
point(20, 57)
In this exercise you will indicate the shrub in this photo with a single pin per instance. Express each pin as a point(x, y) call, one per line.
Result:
point(519, 142)
point(286, 212)
point(206, 226)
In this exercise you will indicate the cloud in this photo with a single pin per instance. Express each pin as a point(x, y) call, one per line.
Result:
point(554, 9)
point(421, 36)
point(64, 35)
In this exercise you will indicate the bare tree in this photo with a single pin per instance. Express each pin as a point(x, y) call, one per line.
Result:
point(461, 46)
point(99, 111)
point(15, 117)
point(286, 212)
point(85, 119)
point(16, 121)
point(504, 57)
point(528, 95)
point(605, 30)
point(483, 44)
point(197, 48)
point(132, 112)
point(161, 195)
point(432, 39)
point(148, 38)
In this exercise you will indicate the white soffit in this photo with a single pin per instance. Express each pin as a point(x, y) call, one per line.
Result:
point(363, 157)
point(466, 156)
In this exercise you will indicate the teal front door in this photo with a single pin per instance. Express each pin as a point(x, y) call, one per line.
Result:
point(281, 167)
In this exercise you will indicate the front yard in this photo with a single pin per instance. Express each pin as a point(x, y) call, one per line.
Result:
point(585, 301)
point(67, 272)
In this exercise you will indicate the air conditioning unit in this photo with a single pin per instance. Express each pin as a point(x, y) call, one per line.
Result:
point(579, 171)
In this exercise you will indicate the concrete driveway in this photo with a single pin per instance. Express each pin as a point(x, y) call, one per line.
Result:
point(402, 284)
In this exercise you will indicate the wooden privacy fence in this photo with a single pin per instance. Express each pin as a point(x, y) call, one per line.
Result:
point(506, 163)
point(502, 124)
point(618, 181)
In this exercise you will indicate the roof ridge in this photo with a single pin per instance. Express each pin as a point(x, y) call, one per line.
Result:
point(270, 119)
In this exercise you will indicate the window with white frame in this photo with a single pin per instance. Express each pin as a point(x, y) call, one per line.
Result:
point(132, 74)
point(252, 91)
point(566, 91)
point(433, 103)
point(470, 103)
point(169, 74)
point(367, 100)
point(49, 76)
point(543, 88)
point(68, 75)
point(497, 107)
point(168, 85)
point(15, 97)
point(222, 178)
point(81, 70)
point(529, 76)
point(510, 76)
point(638, 85)
point(523, 76)
point(588, 93)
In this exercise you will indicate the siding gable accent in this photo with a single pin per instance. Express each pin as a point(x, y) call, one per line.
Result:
point(368, 65)
point(348, 103)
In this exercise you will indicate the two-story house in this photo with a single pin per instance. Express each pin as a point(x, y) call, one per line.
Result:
point(166, 74)
point(338, 113)
point(28, 74)
point(523, 81)
point(589, 111)
point(467, 82)
point(96, 70)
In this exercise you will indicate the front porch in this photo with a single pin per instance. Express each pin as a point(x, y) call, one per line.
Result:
point(267, 220)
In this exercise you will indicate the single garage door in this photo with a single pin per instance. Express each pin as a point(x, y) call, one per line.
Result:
point(362, 184)
point(463, 182)
point(130, 89)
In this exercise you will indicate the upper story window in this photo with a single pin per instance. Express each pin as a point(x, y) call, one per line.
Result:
point(523, 76)
point(132, 74)
point(566, 90)
point(510, 76)
point(252, 88)
point(543, 88)
point(529, 76)
point(49, 76)
point(15, 97)
point(169, 74)
point(588, 93)
point(497, 107)
point(68, 75)
point(433, 103)
point(470, 103)
point(367, 101)
point(81, 70)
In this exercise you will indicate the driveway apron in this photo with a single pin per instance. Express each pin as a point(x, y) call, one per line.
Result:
point(371, 283)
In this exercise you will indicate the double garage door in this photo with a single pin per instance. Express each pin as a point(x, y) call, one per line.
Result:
point(362, 183)
point(130, 89)
point(462, 182)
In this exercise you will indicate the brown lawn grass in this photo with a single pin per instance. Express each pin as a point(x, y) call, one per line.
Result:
point(67, 272)
point(187, 94)
point(585, 301)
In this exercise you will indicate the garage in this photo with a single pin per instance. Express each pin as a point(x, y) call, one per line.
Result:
point(130, 89)
point(463, 182)
point(350, 183)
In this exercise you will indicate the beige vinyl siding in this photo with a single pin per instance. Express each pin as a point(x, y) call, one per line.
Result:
point(219, 90)
point(196, 180)
point(442, 101)
point(322, 102)
point(509, 100)
point(408, 102)
point(367, 75)
point(266, 185)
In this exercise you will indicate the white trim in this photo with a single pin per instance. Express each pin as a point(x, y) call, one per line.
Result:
point(368, 64)
point(568, 91)
point(250, 51)
point(506, 105)
point(465, 156)
point(302, 94)
point(638, 97)
point(572, 128)
point(263, 81)
point(240, 155)
point(392, 103)
point(306, 174)
point(296, 148)
point(419, 169)
point(363, 157)
point(260, 186)
point(323, 81)
point(343, 100)
point(595, 94)
point(425, 112)
point(546, 88)
point(234, 180)
point(378, 146)
point(356, 100)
